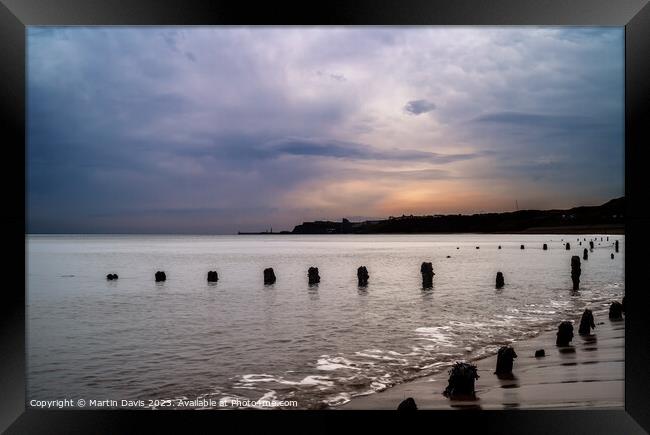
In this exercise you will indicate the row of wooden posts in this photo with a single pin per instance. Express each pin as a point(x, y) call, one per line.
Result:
point(426, 270)
point(463, 374)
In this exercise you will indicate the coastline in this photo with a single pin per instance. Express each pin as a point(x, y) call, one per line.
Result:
point(587, 374)
point(576, 229)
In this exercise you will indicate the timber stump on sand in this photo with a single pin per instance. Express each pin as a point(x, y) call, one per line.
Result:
point(461, 381)
point(213, 276)
point(568, 246)
point(111, 276)
point(312, 275)
point(585, 254)
point(407, 404)
point(505, 358)
point(426, 269)
point(539, 353)
point(269, 276)
point(575, 272)
point(586, 323)
point(616, 311)
point(545, 247)
point(616, 246)
point(362, 276)
point(564, 333)
point(160, 276)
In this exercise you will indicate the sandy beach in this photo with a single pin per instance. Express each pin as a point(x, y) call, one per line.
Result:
point(587, 374)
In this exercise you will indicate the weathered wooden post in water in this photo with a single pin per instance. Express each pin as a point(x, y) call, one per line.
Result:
point(213, 276)
point(564, 333)
point(585, 254)
point(362, 276)
point(545, 247)
point(591, 245)
point(269, 276)
point(160, 276)
point(111, 276)
point(426, 269)
point(616, 246)
point(568, 246)
point(521, 247)
point(586, 323)
point(313, 276)
point(500, 282)
point(611, 256)
point(575, 271)
point(505, 358)
point(499, 246)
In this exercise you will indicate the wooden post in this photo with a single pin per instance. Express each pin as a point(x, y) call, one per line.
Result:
point(269, 276)
point(313, 276)
point(575, 271)
point(426, 269)
point(362, 276)
point(500, 282)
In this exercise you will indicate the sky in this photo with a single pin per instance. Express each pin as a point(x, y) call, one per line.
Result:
point(214, 130)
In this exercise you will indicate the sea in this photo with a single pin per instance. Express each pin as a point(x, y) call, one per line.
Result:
point(240, 343)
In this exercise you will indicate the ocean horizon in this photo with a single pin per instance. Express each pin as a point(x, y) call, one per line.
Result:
point(316, 345)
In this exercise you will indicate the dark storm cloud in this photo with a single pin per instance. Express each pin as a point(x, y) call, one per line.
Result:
point(539, 120)
point(350, 150)
point(417, 107)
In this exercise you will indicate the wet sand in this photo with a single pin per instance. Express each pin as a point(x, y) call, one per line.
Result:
point(589, 373)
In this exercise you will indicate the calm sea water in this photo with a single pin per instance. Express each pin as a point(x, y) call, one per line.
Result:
point(318, 345)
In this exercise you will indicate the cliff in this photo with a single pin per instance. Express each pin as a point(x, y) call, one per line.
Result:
point(608, 217)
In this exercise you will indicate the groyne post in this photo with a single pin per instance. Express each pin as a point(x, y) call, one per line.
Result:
point(575, 271)
point(362, 276)
point(313, 276)
point(586, 323)
point(564, 333)
point(407, 404)
point(500, 282)
point(505, 358)
point(269, 276)
point(461, 381)
point(426, 269)
point(616, 311)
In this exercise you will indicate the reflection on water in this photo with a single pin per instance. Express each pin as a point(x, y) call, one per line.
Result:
point(319, 344)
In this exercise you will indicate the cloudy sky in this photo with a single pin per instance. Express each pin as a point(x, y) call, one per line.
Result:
point(215, 130)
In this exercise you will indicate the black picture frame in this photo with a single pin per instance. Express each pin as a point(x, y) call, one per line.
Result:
point(15, 15)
